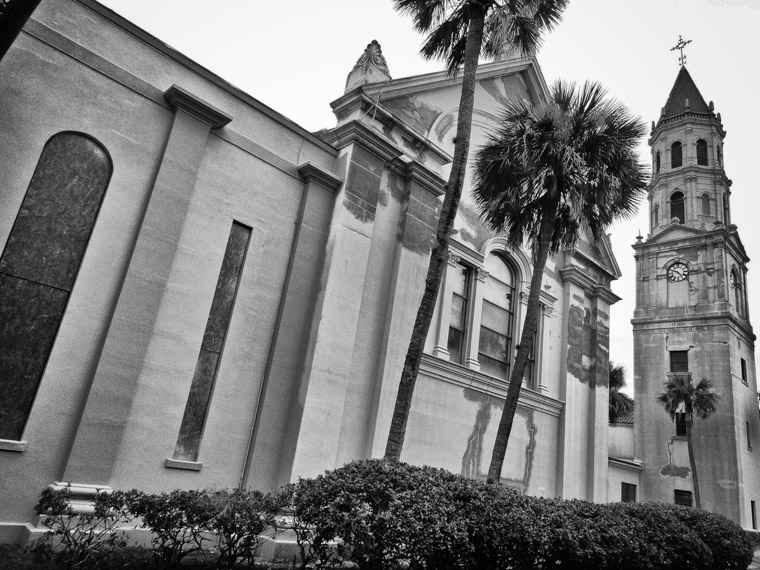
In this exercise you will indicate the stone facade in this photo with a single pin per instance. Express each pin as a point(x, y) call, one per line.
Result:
point(244, 296)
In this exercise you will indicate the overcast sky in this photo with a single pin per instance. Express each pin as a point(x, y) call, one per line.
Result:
point(294, 57)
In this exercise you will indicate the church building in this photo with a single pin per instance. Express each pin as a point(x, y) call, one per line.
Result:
point(197, 292)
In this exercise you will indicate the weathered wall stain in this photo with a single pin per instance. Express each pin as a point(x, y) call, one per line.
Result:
point(363, 184)
point(671, 470)
point(419, 219)
point(575, 326)
point(505, 89)
point(473, 454)
point(415, 113)
point(470, 227)
point(444, 126)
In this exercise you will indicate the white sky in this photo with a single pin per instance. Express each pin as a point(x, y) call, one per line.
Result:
point(294, 57)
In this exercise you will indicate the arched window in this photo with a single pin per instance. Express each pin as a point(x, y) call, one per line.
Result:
point(40, 263)
point(495, 344)
point(676, 155)
point(655, 215)
point(677, 207)
point(702, 152)
point(705, 204)
point(657, 158)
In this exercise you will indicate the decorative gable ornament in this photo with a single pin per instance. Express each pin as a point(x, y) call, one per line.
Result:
point(371, 67)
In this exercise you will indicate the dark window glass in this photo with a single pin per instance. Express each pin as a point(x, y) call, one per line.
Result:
point(657, 158)
point(676, 155)
point(628, 492)
point(720, 157)
point(201, 388)
point(458, 315)
point(495, 344)
point(656, 215)
point(701, 152)
point(679, 360)
point(744, 371)
point(749, 437)
point(754, 515)
point(681, 425)
point(40, 263)
point(682, 498)
point(677, 207)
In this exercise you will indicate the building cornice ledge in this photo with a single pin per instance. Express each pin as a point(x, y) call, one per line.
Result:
point(628, 464)
point(357, 132)
point(458, 375)
point(312, 173)
point(180, 98)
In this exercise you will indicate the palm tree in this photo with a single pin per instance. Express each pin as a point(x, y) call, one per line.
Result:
point(620, 403)
point(546, 174)
point(459, 31)
point(681, 396)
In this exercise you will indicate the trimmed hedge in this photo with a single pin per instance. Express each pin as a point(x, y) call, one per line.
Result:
point(379, 515)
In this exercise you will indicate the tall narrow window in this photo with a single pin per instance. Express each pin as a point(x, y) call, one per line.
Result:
point(720, 157)
point(457, 325)
point(682, 498)
point(495, 345)
point(657, 159)
point(754, 514)
point(749, 437)
point(726, 219)
point(705, 204)
point(655, 215)
point(628, 492)
point(40, 263)
point(677, 207)
point(681, 424)
point(196, 410)
point(676, 155)
point(702, 152)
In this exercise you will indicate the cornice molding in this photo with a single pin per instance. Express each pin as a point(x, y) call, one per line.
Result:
point(180, 98)
point(359, 133)
point(627, 464)
point(458, 375)
point(312, 173)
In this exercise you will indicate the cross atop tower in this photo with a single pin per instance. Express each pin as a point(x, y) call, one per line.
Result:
point(679, 46)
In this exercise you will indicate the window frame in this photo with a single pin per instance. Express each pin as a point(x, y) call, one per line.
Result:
point(678, 206)
point(702, 159)
point(676, 158)
point(683, 497)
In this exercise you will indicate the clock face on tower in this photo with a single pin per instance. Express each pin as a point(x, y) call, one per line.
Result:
point(678, 272)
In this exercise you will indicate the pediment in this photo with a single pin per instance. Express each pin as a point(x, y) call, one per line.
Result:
point(675, 232)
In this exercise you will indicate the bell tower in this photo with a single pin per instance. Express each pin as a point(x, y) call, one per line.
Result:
point(692, 317)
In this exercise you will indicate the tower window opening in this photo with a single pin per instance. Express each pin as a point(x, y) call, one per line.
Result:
point(702, 152)
point(705, 204)
point(676, 155)
point(677, 207)
point(720, 157)
point(655, 215)
point(657, 158)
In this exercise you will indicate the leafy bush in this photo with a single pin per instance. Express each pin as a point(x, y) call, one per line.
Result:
point(79, 539)
point(242, 517)
point(180, 521)
point(730, 545)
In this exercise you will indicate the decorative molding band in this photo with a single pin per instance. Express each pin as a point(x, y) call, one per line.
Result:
point(417, 172)
point(575, 275)
point(605, 294)
point(179, 464)
point(627, 464)
point(359, 133)
point(312, 173)
point(12, 445)
point(179, 98)
point(458, 375)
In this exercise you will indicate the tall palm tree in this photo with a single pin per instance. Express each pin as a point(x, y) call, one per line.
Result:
point(681, 396)
point(546, 174)
point(620, 403)
point(458, 32)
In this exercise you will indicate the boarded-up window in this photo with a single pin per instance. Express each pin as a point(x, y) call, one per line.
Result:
point(702, 152)
point(676, 155)
point(628, 492)
point(682, 498)
point(495, 344)
point(39, 265)
point(457, 325)
point(196, 410)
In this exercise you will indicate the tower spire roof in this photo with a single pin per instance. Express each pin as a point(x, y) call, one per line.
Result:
point(684, 97)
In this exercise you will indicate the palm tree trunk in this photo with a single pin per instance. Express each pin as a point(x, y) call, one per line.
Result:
point(693, 464)
point(526, 343)
point(441, 245)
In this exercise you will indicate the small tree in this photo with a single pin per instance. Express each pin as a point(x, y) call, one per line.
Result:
point(547, 173)
point(681, 396)
point(620, 403)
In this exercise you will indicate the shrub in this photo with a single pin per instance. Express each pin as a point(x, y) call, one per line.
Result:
point(242, 516)
point(80, 539)
point(731, 547)
point(180, 521)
